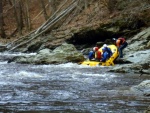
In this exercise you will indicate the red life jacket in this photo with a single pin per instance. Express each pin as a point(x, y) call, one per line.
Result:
point(98, 55)
point(122, 40)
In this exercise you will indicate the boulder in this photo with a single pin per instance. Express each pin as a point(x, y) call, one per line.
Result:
point(143, 88)
point(62, 54)
point(139, 41)
point(138, 53)
point(142, 56)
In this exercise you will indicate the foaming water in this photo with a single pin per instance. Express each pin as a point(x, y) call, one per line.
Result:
point(16, 54)
point(5, 56)
point(27, 74)
point(3, 62)
point(67, 88)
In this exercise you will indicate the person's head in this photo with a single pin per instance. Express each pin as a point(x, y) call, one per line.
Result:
point(105, 45)
point(95, 49)
point(103, 49)
point(114, 39)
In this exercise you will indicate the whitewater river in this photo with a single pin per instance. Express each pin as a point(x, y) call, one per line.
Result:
point(67, 88)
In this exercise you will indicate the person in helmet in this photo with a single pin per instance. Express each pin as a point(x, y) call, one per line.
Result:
point(108, 50)
point(105, 55)
point(98, 55)
point(95, 49)
point(91, 55)
point(121, 44)
point(95, 54)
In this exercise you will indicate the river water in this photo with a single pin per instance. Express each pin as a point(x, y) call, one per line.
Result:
point(67, 88)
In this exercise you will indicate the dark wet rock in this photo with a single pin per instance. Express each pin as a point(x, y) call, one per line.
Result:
point(130, 68)
point(148, 45)
point(122, 61)
point(121, 69)
point(86, 51)
point(143, 88)
point(147, 111)
point(2, 48)
point(34, 46)
point(99, 44)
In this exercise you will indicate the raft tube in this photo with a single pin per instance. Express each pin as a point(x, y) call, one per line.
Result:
point(109, 62)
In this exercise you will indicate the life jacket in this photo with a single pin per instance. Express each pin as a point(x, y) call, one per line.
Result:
point(98, 55)
point(122, 40)
point(91, 55)
point(105, 56)
point(108, 51)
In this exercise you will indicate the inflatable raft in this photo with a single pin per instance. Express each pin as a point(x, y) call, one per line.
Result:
point(109, 62)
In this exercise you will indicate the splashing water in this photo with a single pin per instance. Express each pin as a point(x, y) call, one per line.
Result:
point(67, 88)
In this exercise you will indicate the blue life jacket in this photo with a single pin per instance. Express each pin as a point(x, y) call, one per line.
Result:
point(91, 55)
point(108, 50)
point(105, 56)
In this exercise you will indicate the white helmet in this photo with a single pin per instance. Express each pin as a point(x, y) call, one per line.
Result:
point(105, 45)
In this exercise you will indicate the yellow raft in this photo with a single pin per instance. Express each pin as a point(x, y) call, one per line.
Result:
point(109, 62)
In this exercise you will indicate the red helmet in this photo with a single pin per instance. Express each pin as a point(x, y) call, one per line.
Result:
point(95, 49)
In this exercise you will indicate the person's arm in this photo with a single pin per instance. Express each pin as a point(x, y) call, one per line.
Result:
point(104, 57)
point(91, 55)
point(110, 51)
point(118, 43)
